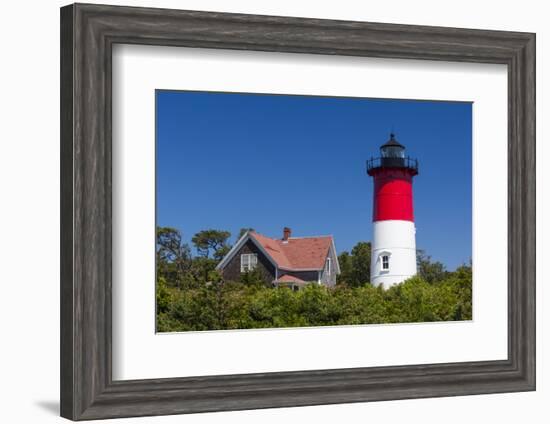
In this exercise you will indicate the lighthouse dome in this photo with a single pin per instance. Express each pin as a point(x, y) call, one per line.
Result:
point(392, 148)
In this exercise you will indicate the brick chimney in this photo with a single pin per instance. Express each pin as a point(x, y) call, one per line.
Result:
point(286, 233)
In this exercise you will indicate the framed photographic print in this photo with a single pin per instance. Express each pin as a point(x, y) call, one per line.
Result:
point(269, 211)
point(274, 151)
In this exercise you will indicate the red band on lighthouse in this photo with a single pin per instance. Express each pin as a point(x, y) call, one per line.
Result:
point(393, 197)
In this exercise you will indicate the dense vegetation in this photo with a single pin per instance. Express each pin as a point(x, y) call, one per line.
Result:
point(191, 295)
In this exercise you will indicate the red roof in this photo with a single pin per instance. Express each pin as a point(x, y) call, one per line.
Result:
point(297, 253)
point(289, 279)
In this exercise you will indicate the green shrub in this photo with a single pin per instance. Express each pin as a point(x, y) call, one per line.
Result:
point(219, 305)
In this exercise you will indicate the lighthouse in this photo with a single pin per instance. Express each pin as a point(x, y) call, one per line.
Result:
point(393, 252)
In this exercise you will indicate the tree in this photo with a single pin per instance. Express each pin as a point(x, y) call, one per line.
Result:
point(361, 254)
point(164, 297)
point(242, 231)
point(355, 267)
point(209, 242)
point(221, 252)
point(431, 272)
point(173, 256)
point(346, 268)
point(461, 282)
point(201, 268)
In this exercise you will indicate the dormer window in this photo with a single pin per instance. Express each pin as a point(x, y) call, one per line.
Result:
point(248, 261)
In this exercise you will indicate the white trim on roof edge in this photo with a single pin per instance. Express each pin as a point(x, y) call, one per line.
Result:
point(245, 237)
point(333, 247)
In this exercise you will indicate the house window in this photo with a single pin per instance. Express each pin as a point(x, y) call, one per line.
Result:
point(327, 267)
point(248, 261)
point(385, 262)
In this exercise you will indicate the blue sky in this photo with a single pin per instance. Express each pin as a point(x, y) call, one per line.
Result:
point(227, 161)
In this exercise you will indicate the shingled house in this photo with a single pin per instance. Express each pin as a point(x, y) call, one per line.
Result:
point(289, 261)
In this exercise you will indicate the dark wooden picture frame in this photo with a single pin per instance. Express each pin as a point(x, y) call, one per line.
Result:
point(88, 33)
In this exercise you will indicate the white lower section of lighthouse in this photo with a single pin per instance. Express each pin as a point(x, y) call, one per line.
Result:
point(393, 255)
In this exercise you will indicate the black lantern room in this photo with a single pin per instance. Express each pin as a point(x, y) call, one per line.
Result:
point(392, 155)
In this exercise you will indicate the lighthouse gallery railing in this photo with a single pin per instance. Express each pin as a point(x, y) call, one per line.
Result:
point(381, 162)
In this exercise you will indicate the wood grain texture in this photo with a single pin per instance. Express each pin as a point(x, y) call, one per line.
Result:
point(88, 33)
point(66, 214)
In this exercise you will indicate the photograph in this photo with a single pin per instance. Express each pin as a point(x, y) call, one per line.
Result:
point(279, 211)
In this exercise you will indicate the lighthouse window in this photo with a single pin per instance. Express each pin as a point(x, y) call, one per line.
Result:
point(393, 152)
point(385, 262)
